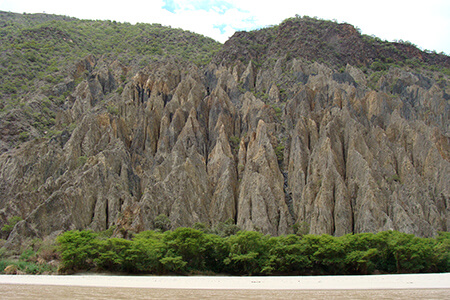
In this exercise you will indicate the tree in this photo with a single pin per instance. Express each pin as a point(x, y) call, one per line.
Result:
point(187, 243)
point(146, 251)
point(113, 255)
point(286, 255)
point(226, 228)
point(78, 249)
point(162, 222)
point(247, 252)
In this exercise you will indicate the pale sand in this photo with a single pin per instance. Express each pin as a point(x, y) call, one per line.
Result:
point(369, 282)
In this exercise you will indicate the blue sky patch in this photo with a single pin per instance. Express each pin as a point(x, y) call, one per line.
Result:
point(219, 6)
point(221, 27)
point(170, 5)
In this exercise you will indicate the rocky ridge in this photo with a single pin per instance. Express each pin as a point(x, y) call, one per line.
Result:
point(269, 145)
point(331, 43)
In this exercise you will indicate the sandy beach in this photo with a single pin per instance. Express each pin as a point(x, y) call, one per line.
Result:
point(370, 282)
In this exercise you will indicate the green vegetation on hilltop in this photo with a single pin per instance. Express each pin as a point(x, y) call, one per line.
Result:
point(331, 43)
point(39, 47)
point(187, 250)
point(39, 52)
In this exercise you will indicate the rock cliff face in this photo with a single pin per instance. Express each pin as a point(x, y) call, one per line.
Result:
point(271, 145)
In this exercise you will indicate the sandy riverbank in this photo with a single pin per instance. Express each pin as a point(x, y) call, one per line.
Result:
point(386, 282)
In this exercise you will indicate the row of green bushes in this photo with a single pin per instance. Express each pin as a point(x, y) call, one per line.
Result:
point(192, 251)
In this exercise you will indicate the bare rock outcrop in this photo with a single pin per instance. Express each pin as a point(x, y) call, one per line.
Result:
point(267, 146)
point(261, 202)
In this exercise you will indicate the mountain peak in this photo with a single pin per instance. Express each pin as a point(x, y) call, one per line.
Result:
point(336, 44)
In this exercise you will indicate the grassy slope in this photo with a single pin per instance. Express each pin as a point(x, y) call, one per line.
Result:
point(37, 46)
point(37, 52)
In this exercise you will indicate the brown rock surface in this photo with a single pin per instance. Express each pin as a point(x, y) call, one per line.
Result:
point(267, 145)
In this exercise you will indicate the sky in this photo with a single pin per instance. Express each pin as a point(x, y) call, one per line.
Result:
point(423, 23)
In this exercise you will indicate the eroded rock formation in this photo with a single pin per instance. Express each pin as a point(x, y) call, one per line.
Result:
point(268, 146)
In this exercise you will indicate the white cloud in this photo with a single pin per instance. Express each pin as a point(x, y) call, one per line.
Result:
point(426, 24)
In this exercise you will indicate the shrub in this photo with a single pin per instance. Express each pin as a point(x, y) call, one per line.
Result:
point(114, 255)
point(278, 111)
point(173, 263)
point(162, 222)
point(27, 254)
point(113, 110)
point(10, 224)
point(147, 250)
point(378, 66)
point(23, 136)
point(247, 252)
point(22, 267)
point(279, 152)
point(286, 256)
point(301, 229)
point(235, 142)
point(226, 228)
point(78, 249)
point(187, 243)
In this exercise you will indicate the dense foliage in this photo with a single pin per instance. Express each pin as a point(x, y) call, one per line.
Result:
point(188, 250)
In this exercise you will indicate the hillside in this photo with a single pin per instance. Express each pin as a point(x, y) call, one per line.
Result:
point(306, 126)
point(328, 42)
point(39, 53)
